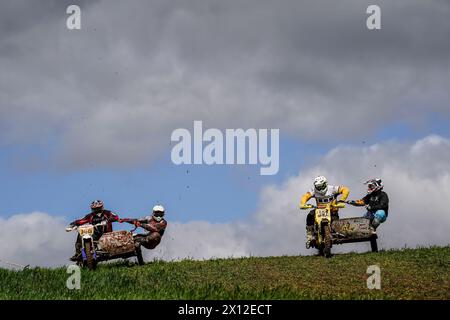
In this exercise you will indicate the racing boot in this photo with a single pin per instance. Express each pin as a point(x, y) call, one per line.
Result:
point(309, 236)
point(77, 254)
point(75, 257)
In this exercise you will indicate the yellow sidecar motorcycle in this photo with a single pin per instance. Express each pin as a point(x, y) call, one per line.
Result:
point(339, 231)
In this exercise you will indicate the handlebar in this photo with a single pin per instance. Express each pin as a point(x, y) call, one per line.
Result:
point(308, 206)
point(69, 228)
point(339, 204)
point(103, 223)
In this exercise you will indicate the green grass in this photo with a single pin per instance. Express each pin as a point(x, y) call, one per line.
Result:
point(422, 273)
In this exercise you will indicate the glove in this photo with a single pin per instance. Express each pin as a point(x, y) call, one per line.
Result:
point(70, 227)
point(352, 202)
point(137, 223)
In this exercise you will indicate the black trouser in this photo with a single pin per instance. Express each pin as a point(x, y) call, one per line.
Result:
point(310, 217)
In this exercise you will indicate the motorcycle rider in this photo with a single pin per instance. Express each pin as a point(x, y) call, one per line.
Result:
point(97, 215)
point(324, 194)
point(376, 202)
point(155, 225)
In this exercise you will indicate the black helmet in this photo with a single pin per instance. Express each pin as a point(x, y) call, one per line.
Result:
point(97, 205)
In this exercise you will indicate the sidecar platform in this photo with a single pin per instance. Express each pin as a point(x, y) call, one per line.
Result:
point(352, 230)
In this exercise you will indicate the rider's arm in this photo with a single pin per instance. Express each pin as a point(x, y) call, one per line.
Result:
point(359, 203)
point(161, 225)
point(344, 192)
point(148, 227)
point(86, 219)
point(156, 227)
point(305, 198)
point(112, 217)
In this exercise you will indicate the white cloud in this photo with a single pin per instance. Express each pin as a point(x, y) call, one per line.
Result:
point(35, 239)
point(417, 180)
point(113, 92)
point(416, 177)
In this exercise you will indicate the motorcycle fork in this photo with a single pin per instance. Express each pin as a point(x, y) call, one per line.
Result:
point(318, 232)
point(83, 248)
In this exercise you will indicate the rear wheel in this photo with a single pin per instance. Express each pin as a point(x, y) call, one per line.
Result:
point(374, 245)
point(90, 261)
point(327, 241)
point(321, 250)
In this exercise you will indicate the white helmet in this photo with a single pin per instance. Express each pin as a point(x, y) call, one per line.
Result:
point(321, 184)
point(158, 212)
point(374, 185)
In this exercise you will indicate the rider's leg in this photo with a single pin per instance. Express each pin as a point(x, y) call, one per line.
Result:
point(139, 239)
point(334, 216)
point(155, 239)
point(309, 228)
point(368, 215)
point(151, 241)
point(378, 218)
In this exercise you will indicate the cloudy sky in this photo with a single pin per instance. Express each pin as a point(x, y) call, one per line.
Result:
point(87, 114)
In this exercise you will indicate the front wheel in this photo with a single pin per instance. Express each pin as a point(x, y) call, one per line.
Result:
point(327, 241)
point(90, 261)
point(321, 253)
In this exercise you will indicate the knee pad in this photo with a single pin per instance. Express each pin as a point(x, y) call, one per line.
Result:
point(380, 215)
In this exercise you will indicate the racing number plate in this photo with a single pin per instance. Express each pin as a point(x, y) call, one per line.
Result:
point(322, 213)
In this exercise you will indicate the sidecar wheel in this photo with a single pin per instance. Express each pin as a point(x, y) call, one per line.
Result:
point(374, 245)
point(140, 259)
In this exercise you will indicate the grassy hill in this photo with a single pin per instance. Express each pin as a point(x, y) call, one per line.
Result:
point(405, 274)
